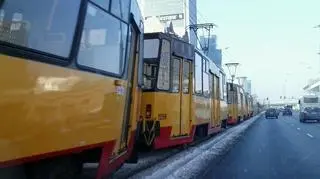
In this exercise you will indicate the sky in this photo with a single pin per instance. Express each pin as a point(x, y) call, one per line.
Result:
point(273, 40)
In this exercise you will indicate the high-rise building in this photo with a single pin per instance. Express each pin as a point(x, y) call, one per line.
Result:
point(247, 86)
point(210, 43)
point(210, 48)
point(181, 13)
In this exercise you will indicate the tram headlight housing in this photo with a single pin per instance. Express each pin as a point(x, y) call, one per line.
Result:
point(148, 111)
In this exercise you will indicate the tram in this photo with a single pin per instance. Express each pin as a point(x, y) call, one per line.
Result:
point(182, 98)
point(69, 86)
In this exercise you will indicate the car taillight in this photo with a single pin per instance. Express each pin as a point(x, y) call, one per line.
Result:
point(148, 111)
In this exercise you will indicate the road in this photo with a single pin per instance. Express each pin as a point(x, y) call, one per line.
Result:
point(272, 148)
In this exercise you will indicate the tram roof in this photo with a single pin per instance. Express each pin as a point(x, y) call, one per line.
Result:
point(179, 48)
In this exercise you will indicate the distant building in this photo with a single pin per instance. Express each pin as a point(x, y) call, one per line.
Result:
point(209, 43)
point(217, 57)
point(313, 86)
point(247, 86)
point(181, 13)
point(210, 48)
point(153, 25)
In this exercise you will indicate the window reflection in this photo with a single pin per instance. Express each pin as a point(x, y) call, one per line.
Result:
point(120, 8)
point(205, 84)
point(103, 3)
point(149, 74)
point(186, 76)
point(164, 68)
point(51, 32)
point(176, 75)
point(103, 43)
point(198, 74)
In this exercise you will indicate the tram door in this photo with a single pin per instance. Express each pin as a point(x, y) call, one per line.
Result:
point(182, 94)
point(215, 102)
point(131, 90)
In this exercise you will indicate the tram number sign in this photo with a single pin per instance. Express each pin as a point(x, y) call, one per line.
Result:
point(162, 116)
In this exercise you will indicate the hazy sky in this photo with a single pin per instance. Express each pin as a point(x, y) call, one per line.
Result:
point(274, 40)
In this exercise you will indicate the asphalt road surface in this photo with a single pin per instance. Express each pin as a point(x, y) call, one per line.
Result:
point(273, 148)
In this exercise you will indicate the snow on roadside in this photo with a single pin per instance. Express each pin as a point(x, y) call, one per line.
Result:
point(128, 170)
point(190, 163)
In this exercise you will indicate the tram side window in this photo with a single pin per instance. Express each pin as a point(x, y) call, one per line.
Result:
point(120, 8)
point(198, 74)
point(175, 75)
point(164, 67)
point(229, 93)
point(225, 93)
point(217, 81)
point(205, 78)
point(103, 42)
point(215, 87)
point(186, 76)
point(151, 48)
point(221, 80)
point(149, 73)
point(49, 29)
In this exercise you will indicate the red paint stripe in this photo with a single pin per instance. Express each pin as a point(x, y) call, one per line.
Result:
point(165, 140)
point(105, 166)
point(232, 121)
point(214, 130)
point(49, 155)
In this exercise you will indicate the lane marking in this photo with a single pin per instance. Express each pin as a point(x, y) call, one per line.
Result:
point(298, 128)
point(310, 135)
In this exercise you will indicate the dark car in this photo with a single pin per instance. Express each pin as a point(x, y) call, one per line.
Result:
point(310, 113)
point(287, 112)
point(271, 113)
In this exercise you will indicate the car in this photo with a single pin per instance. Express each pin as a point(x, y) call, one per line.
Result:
point(271, 113)
point(310, 113)
point(287, 112)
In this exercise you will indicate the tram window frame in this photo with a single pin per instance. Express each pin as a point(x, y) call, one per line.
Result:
point(41, 50)
point(162, 54)
point(105, 5)
point(123, 53)
point(197, 73)
point(186, 76)
point(175, 75)
point(205, 78)
point(115, 4)
point(151, 48)
point(229, 93)
point(153, 75)
point(221, 86)
point(218, 95)
point(225, 92)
